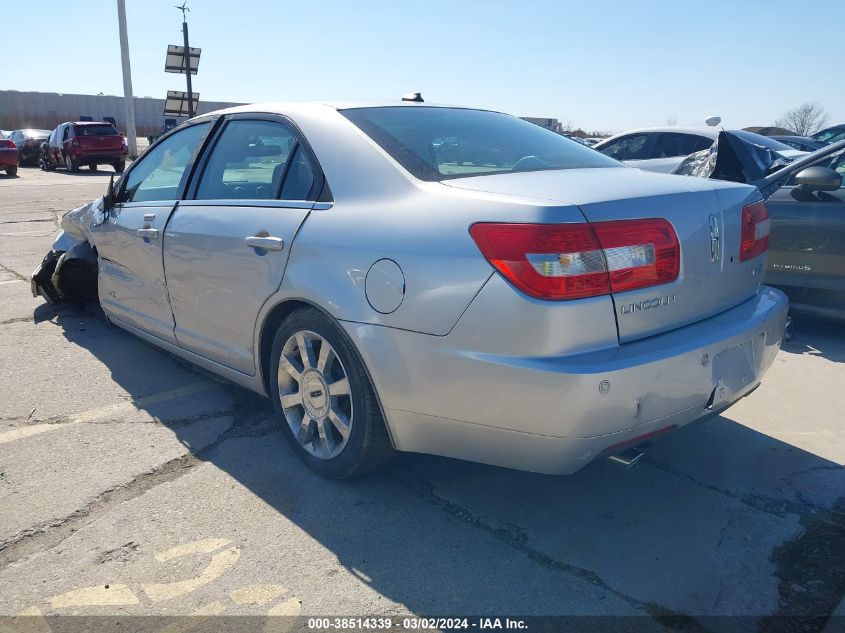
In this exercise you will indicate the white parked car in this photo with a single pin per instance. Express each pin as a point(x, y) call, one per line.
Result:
point(662, 149)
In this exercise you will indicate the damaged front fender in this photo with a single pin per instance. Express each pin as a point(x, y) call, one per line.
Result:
point(69, 271)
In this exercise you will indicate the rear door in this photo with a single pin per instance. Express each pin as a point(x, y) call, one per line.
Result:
point(807, 247)
point(131, 277)
point(226, 249)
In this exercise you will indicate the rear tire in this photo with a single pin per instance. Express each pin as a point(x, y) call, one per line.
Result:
point(119, 166)
point(72, 164)
point(92, 166)
point(329, 408)
point(12, 170)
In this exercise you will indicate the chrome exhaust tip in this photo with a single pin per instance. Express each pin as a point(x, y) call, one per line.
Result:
point(787, 329)
point(627, 458)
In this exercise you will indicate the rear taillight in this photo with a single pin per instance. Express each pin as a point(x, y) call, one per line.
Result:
point(639, 253)
point(7, 144)
point(756, 227)
point(573, 261)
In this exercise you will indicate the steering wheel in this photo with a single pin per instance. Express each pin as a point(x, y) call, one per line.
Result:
point(529, 162)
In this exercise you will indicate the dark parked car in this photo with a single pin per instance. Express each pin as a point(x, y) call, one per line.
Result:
point(830, 135)
point(804, 143)
point(807, 245)
point(29, 144)
point(8, 155)
point(84, 143)
point(805, 199)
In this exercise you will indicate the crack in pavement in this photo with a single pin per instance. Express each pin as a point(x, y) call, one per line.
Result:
point(25, 221)
point(49, 534)
point(777, 507)
point(517, 538)
point(14, 273)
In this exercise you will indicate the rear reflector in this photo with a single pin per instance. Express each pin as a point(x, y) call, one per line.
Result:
point(756, 227)
point(573, 261)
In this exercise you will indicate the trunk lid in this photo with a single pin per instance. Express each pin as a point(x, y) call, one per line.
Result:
point(706, 216)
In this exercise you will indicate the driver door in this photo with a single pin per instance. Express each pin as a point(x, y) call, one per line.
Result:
point(129, 242)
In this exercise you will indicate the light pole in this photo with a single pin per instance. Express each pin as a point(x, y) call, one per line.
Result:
point(184, 8)
point(128, 101)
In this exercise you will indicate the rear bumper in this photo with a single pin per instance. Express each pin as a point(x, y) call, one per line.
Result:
point(29, 154)
point(99, 157)
point(8, 157)
point(554, 414)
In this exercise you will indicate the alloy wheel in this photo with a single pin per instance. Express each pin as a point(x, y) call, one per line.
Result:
point(315, 394)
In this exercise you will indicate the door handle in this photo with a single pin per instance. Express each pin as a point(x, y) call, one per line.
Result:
point(148, 233)
point(266, 242)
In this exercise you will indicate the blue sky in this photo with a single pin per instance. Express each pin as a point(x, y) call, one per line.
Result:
point(601, 64)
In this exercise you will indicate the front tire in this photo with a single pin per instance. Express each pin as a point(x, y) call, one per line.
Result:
point(321, 389)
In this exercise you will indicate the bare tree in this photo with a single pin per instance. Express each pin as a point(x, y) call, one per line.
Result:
point(806, 119)
point(671, 120)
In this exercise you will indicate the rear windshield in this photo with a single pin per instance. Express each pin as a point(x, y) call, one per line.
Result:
point(104, 129)
point(442, 143)
point(36, 133)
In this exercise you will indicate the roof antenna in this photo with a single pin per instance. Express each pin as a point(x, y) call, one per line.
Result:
point(416, 97)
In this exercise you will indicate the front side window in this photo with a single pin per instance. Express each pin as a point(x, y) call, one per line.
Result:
point(248, 162)
point(158, 175)
point(441, 143)
point(627, 148)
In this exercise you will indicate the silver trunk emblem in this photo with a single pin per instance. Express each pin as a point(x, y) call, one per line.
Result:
point(715, 240)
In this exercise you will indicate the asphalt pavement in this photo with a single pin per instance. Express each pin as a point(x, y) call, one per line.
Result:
point(132, 483)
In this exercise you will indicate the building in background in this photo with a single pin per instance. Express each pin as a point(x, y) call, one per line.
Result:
point(45, 110)
point(550, 124)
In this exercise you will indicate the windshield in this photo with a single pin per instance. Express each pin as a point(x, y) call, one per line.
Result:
point(830, 135)
point(442, 143)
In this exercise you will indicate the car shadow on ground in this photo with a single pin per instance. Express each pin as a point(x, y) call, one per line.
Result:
point(818, 337)
point(717, 519)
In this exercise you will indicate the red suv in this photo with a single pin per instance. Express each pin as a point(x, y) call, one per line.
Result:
point(84, 143)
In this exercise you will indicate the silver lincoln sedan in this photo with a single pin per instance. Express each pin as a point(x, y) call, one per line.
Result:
point(406, 277)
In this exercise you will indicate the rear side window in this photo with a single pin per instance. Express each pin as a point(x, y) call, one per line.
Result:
point(673, 144)
point(631, 147)
point(441, 143)
point(248, 161)
point(299, 178)
point(105, 129)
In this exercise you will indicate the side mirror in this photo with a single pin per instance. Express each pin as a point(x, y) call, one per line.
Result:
point(108, 201)
point(818, 179)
